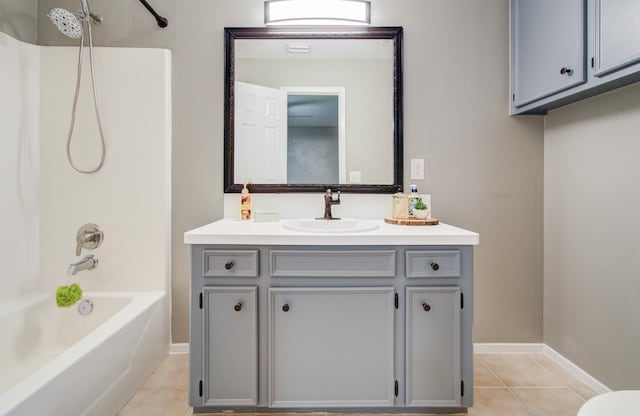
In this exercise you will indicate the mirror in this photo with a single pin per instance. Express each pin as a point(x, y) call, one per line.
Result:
point(308, 109)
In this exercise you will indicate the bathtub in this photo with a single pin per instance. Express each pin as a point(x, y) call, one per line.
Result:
point(54, 361)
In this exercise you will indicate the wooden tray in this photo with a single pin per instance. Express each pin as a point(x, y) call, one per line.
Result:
point(411, 221)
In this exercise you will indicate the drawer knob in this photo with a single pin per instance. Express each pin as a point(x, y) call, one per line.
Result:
point(237, 307)
point(566, 71)
point(435, 267)
point(285, 307)
point(426, 307)
point(228, 265)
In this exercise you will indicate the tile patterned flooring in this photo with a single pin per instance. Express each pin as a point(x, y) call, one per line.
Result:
point(505, 385)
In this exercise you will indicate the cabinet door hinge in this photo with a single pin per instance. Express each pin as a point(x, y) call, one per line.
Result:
point(201, 300)
point(462, 388)
point(461, 300)
point(200, 388)
point(396, 388)
point(396, 301)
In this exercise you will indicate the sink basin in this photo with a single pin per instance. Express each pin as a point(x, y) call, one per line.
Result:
point(331, 226)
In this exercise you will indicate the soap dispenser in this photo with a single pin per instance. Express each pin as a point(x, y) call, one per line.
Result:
point(245, 203)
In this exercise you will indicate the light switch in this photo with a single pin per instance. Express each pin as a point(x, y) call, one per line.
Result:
point(417, 168)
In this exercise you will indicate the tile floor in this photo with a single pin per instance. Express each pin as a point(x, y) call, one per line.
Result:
point(505, 385)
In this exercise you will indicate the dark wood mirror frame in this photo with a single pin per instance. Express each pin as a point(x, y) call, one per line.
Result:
point(392, 33)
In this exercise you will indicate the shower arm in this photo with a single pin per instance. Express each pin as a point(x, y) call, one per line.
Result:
point(162, 21)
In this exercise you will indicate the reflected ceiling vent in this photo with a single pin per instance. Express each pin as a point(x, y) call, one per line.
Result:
point(298, 48)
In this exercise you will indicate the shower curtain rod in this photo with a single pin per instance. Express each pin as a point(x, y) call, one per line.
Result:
point(162, 21)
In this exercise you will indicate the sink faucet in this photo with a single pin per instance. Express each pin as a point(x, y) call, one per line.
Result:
point(329, 200)
point(87, 263)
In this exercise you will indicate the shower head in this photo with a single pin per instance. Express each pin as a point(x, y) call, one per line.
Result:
point(70, 23)
point(66, 22)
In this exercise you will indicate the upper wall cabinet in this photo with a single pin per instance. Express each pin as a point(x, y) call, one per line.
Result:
point(548, 48)
point(565, 51)
point(617, 25)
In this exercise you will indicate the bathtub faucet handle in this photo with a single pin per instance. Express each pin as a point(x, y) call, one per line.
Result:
point(89, 236)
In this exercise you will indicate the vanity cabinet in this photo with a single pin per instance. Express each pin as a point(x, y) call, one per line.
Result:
point(565, 51)
point(331, 347)
point(331, 327)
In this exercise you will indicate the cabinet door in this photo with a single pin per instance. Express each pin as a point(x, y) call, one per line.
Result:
point(617, 41)
point(331, 347)
point(548, 47)
point(433, 346)
point(230, 346)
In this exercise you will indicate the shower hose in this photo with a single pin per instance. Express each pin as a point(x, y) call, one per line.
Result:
point(95, 102)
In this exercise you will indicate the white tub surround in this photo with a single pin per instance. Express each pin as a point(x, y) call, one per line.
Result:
point(231, 231)
point(382, 318)
point(44, 356)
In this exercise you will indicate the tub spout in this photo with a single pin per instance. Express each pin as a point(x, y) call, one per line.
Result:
point(87, 263)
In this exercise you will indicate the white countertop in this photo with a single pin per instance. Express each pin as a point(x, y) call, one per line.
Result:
point(230, 231)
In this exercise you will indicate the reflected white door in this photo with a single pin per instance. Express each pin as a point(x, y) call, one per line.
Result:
point(260, 132)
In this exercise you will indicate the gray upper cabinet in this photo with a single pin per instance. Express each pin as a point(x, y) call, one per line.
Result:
point(548, 48)
point(617, 40)
point(565, 51)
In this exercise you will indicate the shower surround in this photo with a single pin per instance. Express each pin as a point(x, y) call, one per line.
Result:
point(45, 201)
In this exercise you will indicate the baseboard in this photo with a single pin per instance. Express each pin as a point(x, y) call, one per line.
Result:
point(507, 348)
point(527, 348)
point(576, 371)
point(182, 348)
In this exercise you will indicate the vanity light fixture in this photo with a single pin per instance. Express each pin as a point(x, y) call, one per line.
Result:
point(317, 12)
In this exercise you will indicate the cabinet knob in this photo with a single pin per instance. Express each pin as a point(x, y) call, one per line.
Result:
point(237, 307)
point(285, 307)
point(566, 71)
point(228, 265)
point(435, 267)
point(426, 307)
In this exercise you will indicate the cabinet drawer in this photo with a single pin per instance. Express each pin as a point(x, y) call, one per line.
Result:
point(225, 263)
point(433, 263)
point(342, 263)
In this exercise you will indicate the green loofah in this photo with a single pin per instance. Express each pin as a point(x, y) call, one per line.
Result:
point(68, 295)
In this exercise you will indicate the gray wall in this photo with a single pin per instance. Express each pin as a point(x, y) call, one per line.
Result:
point(319, 142)
point(18, 19)
point(483, 168)
point(591, 244)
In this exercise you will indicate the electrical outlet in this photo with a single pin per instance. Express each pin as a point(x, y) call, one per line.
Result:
point(417, 168)
point(355, 176)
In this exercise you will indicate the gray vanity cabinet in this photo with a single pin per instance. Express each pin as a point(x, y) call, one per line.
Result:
point(230, 346)
point(371, 328)
point(548, 48)
point(617, 35)
point(331, 347)
point(433, 346)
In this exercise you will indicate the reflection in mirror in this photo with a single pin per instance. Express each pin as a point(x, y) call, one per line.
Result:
point(307, 110)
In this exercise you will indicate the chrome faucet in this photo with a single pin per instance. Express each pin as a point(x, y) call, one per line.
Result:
point(329, 201)
point(87, 263)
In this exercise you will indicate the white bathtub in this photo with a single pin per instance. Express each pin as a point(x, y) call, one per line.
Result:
point(54, 361)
